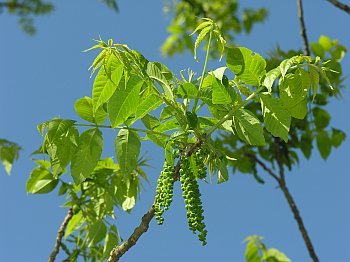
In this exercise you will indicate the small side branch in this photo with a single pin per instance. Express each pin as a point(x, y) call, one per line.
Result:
point(340, 5)
point(303, 28)
point(120, 250)
point(60, 234)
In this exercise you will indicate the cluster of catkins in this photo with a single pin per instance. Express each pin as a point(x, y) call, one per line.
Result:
point(190, 191)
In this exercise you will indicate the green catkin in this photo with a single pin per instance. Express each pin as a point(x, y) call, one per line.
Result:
point(193, 203)
point(200, 157)
point(164, 191)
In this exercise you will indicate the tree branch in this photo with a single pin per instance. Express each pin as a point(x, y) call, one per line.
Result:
point(282, 183)
point(340, 5)
point(303, 28)
point(262, 164)
point(120, 250)
point(297, 216)
point(60, 234)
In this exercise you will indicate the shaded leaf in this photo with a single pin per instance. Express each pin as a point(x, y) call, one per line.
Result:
point(324, 144)
point(338, 137)
point(76, 221)
point(84, 109)
point(41, 181)
point(88, 153)
point(127, 147)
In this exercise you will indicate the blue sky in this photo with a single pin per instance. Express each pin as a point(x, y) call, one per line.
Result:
point(42, 76)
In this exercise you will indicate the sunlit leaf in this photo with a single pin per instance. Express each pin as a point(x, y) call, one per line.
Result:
point(84, 109)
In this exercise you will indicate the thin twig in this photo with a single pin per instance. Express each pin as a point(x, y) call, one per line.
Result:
point(120, 250)
point(340, 5)
point(303, 28)
point(262, 164)
point(60, 234)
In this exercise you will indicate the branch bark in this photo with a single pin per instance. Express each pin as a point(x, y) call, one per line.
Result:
point(280, 178)
point(340, 5)
point(303, 27)
point(120, 250)
point(60, 234)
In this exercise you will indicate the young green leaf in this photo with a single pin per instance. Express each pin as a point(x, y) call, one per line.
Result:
point(122, 103)
point(247, 65)
point(84, 109)
point(200, 38)
point(127, 147)
point(321, 118)
point(324, 144)
point(151, 102)
point(338, 137)
point(89, 151)
point(9, 152)
point(220, 94)
point(76, 221)
point(41, 181)
point(248, 127)
point(112, 239)
point(274, 255)
point(106, 82)
point(293, 91)
point(270, 78)
point(277, 119)
point(315, 79)
point(96, 232)
point(162, 75)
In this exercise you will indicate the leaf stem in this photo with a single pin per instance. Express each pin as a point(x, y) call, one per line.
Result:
point(194, 108)
point(233, 110)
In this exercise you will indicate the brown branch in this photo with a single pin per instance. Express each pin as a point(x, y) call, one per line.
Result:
point(340, 5)
point(303, 28)
point(120, 250)
point(299, 220)
point(262, 164)
point(279, 149)
point(60, 234)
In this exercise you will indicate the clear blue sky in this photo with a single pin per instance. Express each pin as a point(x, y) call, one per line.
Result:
point(42, 76)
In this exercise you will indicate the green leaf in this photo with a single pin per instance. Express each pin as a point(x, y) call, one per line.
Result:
point(111, 240)
point(277, 119)
point(150, 103)
point(127, 147)
point(200, 38)
point(338, 137)
point(106, 82)
point(220, 94)
point(274, 255)
point(169, 155)
point(317, 49)
point(315, 79)
point(270, 78)
point(171, 124)
point(57, 128)
point(324, 144)
point(188, 90)
point(293, 93)
point(252, 250)
point(124, 100)
point(247, 65)
point(96, 232)
point(75, 223)
point(41, 181)
point(306, 144)
point(248, 127)
point(9, 152)
point(162, 75)
point(222, 172)
point(84, 109)
point(326, 43)
point(89, 152)
point(321, 118)
point(150, 121)
point(202, 25)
